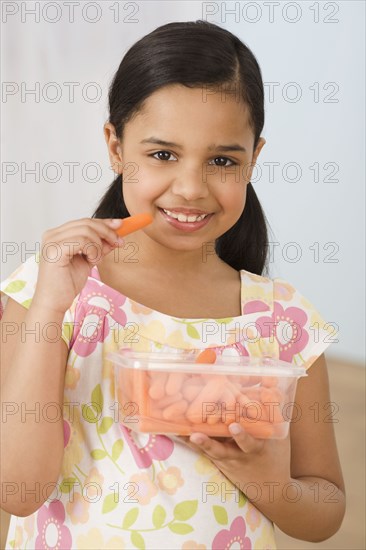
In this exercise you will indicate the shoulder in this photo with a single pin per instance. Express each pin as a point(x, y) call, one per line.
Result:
point(20, 286)
point(21, 283)
point(256, 292)
point(289, 318)
point(281, 290)
point(259, 291)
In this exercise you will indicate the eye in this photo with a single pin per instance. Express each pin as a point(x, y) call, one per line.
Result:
point(163, 155)
point(222, 161)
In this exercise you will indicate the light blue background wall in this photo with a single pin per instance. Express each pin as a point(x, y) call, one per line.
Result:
point(312, 59)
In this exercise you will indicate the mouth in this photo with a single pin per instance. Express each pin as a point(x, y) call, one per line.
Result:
point(190, 220)
point(187, 215)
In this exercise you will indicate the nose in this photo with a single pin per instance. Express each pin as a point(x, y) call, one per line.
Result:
point(190, 184)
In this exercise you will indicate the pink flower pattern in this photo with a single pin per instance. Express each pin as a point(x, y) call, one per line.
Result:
point(235, 535)
point(50, 521)
point(67, 432)
point(240, 349)
point(255, 305)
point(158, 447)
point(96, 302)
point(291, 340)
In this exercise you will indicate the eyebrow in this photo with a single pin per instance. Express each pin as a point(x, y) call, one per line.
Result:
point(230, 147)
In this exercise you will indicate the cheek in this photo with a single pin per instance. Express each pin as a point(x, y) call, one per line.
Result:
point(141, 185)
point(233, 197)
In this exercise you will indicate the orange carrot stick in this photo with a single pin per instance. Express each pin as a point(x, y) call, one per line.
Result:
point(210, 393)
point(230, 408)
point(167, 400)
point(152, 411)
point(267, 395)
point(269, 381)
point(259, 429)
point(175, 410)
point(206, 356)
point(191, 388)
point(251, 392)
point(152, 425)
point(133, 223)
point(156, 390)
point(174, 382)
point(212, 430)
point(255, 411)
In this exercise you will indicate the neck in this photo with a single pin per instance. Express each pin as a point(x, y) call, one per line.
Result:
point(153, 256)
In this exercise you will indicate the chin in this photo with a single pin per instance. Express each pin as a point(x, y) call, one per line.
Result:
point(183, 245)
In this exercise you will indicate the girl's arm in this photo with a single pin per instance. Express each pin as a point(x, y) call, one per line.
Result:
point(32, 375)
point(315, 464)
point(296, 482)
point(34, 360)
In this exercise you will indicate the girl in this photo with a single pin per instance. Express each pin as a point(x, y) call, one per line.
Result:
point(184, 133)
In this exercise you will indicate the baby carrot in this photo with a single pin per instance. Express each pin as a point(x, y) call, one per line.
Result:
point(278, 394)
point(269, 381)
point(152, 425)
point(255, 411)
point(211, 413)
point(167, 400)
point(243, 400)
point(152, 411)
point(235, 389)
point(267, 395)
point(259, 429)
point(191, 389)
point(156, 390)
point(229, 407)
point(251, 392)
point(175, 410)
point(206, 356)
point(212, 430)
point(133, 223)
point(174, 382)
point(210, 393)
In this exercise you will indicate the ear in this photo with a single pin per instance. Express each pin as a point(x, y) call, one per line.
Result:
point(257, 150)
point(114, 148)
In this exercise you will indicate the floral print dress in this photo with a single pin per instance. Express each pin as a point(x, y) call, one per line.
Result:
point(118, 488)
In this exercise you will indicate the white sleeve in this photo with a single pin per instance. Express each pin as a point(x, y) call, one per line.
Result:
point(20, 286)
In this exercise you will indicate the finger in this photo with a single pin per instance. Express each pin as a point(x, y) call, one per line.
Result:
point(245, 442)
point(105, 228)
point(212, 448)
point(83, 237)
point(68, 250)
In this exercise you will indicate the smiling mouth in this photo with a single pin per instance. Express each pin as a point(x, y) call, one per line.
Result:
point(187, 218)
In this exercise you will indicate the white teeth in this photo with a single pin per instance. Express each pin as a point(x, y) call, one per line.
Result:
point(183, 218)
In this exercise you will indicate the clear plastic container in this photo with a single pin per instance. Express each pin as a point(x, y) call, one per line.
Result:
point(172, 394)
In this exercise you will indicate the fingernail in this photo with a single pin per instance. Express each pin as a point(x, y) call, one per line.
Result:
point(196, 439)
point(116, 222)
point(120, 241)
point(235, 429)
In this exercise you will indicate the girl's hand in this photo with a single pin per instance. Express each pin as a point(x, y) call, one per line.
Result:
point(68, 253)
point(244, 459)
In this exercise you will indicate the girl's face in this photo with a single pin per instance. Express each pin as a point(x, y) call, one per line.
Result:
point(187, 152)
